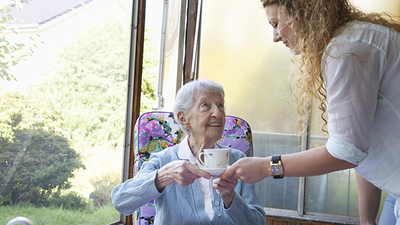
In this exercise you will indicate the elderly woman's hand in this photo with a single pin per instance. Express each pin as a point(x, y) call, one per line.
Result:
point(180, 171)
point(226, 188)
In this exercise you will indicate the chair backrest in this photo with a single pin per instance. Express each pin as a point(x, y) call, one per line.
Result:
point(155, 131)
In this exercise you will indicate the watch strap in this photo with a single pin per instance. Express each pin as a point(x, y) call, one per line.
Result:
point(276, 158)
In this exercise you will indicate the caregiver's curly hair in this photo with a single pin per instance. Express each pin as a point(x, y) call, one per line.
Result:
point(315, 23)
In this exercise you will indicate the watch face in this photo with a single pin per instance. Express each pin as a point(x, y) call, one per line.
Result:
point(276, 169)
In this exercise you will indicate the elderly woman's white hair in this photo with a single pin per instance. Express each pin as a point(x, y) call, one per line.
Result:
point(184, 98)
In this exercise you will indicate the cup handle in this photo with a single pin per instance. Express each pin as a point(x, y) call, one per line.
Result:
point(201, 161)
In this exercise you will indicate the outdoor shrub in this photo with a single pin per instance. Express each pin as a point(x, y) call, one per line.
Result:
point(104, 186)
point(34, 164)
point(71, 200)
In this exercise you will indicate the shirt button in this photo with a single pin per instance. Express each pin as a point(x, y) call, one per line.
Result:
point(216, 202)
point(219, 214)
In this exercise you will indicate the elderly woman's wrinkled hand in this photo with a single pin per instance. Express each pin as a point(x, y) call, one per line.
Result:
point(182, 172)
point(226, 188)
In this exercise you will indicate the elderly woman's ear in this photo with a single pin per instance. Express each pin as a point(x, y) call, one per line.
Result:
point(182, 120)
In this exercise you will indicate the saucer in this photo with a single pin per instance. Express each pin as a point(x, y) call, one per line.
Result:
point(213, 171)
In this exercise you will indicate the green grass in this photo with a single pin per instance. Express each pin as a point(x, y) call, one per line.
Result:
point(103, 172)
point(58, 216)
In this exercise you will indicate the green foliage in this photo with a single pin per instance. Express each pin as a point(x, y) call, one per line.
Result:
point(89, 86)
point(35, 163)
point(70, 201)
point(18, 111)
point(7, 113)
point(149, 73)
point(45, 160)
point(10, 52)
point(104, 186)
point(81, 106)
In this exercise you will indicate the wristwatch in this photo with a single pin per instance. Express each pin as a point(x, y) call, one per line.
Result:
point(276, 167)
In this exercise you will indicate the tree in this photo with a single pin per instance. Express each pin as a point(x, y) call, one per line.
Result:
point(89, 86)
point(11, 53)
point(28, 111)
point(35, 164)
point(81, 105)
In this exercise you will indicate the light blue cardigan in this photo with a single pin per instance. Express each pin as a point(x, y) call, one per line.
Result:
point(184, 205)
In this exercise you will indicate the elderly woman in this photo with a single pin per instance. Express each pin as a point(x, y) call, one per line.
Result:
point(183, 193)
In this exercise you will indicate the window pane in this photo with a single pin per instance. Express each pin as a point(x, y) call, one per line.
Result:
point(62, 121)
point(171, 66)
point(237, 51)
point(151, 54)
point(334, 193)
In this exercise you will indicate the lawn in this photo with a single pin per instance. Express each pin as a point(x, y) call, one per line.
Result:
point(57, 216)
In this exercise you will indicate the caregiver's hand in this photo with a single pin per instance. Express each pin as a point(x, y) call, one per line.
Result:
point(180, 171)
point(250, 170)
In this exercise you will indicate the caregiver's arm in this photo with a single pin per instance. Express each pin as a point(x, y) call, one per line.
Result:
point(316, 161)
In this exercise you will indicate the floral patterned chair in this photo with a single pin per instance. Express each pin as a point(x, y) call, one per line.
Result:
point(155, 131)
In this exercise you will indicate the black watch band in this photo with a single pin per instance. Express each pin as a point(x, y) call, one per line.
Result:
point(276, 158)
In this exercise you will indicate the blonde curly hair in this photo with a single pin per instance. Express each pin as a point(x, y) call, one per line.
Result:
point(315, 23)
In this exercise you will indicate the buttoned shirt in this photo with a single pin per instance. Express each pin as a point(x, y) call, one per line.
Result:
point(361, 69)
point(206, 187)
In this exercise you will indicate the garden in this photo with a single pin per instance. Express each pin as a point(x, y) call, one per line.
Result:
point(61, 140)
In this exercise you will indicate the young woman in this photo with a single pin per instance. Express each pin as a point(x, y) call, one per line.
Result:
point(350, 62)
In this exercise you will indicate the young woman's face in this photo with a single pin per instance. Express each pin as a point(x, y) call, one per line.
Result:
point(282, 32)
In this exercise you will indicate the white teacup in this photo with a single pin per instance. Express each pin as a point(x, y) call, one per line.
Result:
point(215, 158)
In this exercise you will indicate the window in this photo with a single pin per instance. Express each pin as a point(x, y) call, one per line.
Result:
point(62, 120)
point(237, 51)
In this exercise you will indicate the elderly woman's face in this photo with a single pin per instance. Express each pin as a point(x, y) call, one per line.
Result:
point(206, 118)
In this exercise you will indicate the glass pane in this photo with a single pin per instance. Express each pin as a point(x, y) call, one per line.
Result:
point(171, 58)
point(151, 54)
point(334, 193)
point(62, 120)
point(237, 51)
